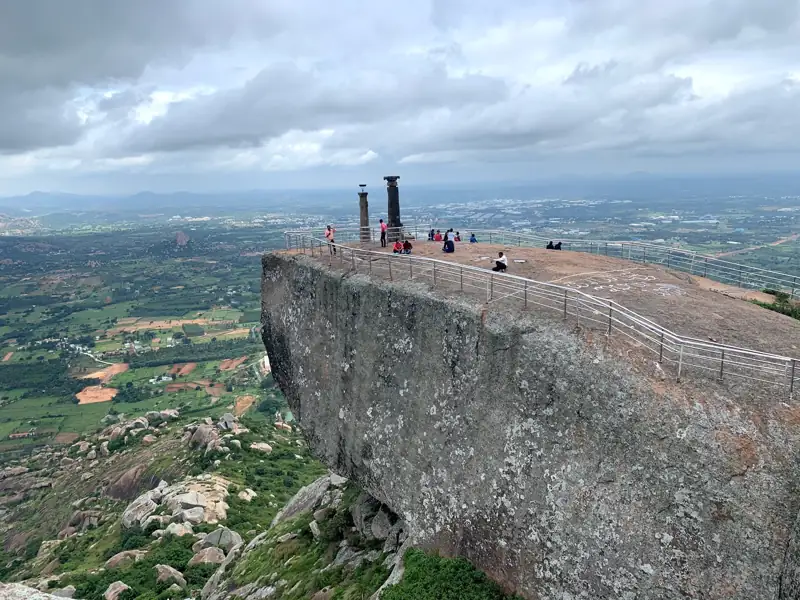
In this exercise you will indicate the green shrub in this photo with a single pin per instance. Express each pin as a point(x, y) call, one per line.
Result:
point(429, 577)
point(197, 575)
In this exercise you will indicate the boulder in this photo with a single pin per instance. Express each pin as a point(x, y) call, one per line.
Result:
point(261, 447)
point(203, 436)
point(129, 484)
point(363, 510)
point(226, 422)
point(315, 530)
point(65, 592)
point(139, 510)
point(325, 593)
point(395, 538)
point(170, 414)
point(283, 426)
point(381, 525)
point(149, 439)
point(125, 558)
point(193, 515)
point(305, 500)
point(104, 451)
point(338, 481)
point(166, 574)
point(159, 520)
point(190, 499)
point(66, 461)
point(223, 538)
point(153, 417)
point(212, 555)
point(114, 590)
point(92, 454)
point(179, 529)
point(137, 423)
point(235, 444)
point(247, 495)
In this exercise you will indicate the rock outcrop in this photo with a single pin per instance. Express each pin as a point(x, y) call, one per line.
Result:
point(15, 591)
point(557, 468)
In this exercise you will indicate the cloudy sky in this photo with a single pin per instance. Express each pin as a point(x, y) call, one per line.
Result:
point(117, 96)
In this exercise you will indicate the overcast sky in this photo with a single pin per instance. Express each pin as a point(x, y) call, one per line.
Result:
point(118, 95)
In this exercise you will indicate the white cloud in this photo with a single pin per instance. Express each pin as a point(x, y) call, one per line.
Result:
point(151, 88)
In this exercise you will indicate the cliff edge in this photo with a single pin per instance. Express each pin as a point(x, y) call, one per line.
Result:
point(546, 460)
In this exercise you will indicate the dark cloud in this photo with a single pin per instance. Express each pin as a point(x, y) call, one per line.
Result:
point(283, 98)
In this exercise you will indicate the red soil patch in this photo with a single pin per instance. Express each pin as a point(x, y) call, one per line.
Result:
point(215, 390)
point(231, 363)
point(182, 370)
point(66, 438)
point(8, 356)
point(95, 393)
point(107, 374)
point(242, 404)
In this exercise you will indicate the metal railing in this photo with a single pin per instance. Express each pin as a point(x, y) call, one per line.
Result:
point(591, 312)
point(694, 263)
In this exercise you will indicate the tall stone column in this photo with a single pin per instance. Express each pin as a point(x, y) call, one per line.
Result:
point(363, 204)
point(394, 207)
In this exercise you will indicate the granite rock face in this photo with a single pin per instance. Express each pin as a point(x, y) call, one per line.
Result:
point(546, 460)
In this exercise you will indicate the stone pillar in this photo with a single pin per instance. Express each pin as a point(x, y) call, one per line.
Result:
point(394, 207)
point(366, 235)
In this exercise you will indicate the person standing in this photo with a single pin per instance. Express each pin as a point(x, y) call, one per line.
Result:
point(384, 227)
point(329, 233)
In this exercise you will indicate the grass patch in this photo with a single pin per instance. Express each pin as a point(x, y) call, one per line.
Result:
point(430, 577)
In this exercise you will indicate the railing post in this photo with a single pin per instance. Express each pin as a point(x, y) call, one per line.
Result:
point(565, 304)
point(794, 285)
point(644, 254)
point(286, 240)
point(461, 277)
point(705, 267)
point(680, 364)
point(606, 248)
point(661, 349)
point(519, 240)
point(490, 294)
point(303, 240)
point(434, 273)
point(669, 254)
point(490, 237)
point(691, 265)
point(525, 295)
point(389, 259)
point(353, 259)
point(410, 268)
point(369, 265)
point(740, 275)
point(722, 364)
point(791, 378)
point(610, 313)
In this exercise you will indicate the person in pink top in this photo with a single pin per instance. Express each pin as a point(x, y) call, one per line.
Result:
point(329, 233)
point(384, 227)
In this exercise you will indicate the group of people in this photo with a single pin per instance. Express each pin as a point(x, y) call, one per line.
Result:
point(449, 238)
point(552, 246)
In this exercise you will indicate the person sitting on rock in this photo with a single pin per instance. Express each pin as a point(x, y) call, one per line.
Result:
point(458, 236)
point(500, 263)
point(550, 245)
point(438, 236)
point(407, 247)
point(473, 239)
point(557, 246)
point(398, 247)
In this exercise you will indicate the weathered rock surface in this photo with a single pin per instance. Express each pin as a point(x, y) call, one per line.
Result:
point(15, 591)
point(194, 500)
point(557, 468)
point(304, 500)
point(223, 538)
point(114, 590)
point(125, 558)
point(206, 556)
point(166, 574)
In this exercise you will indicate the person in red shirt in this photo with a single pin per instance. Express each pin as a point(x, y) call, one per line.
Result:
point(398, 247)
point(438, 236)
point(384, 227)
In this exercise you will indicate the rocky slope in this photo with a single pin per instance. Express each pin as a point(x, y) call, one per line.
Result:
point(545, 459)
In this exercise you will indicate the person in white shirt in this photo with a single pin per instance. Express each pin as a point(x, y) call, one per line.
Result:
point(500, 263)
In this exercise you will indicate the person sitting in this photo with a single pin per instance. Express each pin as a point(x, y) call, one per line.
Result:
point(398, 247)
point(473, 239)
point(557, 246)
point(550, 245)
point(437, 236)
point(458, 236)
point(500, 263)
point(407, 247)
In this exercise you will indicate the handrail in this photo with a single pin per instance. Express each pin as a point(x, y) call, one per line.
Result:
point(590, 311)
point(694, 263)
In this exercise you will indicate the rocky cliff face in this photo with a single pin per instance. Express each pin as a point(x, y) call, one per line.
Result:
point(547, 462)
